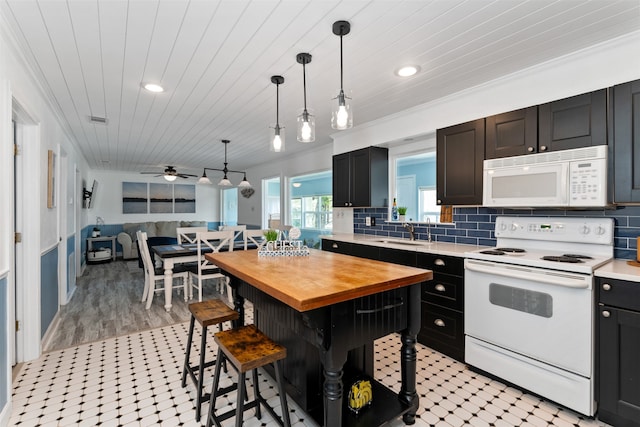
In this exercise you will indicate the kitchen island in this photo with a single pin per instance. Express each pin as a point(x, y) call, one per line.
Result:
point(327, 309)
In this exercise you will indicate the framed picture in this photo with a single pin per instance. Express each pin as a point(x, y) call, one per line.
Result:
point(51, 180)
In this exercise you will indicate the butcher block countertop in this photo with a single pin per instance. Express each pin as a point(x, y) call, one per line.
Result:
point(319, 279)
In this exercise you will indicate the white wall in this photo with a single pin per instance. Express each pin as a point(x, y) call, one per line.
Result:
point(594, 68)
point(316, 158)
point(108, 200)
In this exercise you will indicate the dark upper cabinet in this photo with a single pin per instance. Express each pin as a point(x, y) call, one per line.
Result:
point(459, 156)
point(626, 142)
point(361, 178)
point(578, 121)
point(512, 134)
point(618, 352)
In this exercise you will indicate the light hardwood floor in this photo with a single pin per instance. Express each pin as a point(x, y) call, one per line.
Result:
point(107, 304)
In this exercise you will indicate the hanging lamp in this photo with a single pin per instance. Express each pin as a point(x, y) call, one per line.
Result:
point(341, 114)
point(306, 121)
point(224, 182)
point(276, 142)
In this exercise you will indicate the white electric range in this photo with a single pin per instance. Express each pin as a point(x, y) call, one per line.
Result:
point(529, 305)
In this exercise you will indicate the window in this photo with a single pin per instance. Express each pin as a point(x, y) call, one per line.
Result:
point(311, 205)
point(415, 186)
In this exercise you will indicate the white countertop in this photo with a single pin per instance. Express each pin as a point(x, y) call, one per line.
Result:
point(619, 269)
point(439, 248)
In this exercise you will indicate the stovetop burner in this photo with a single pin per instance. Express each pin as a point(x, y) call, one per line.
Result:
point(512, 250)
point(562, 258)
point(578, 256)
point(492, 252)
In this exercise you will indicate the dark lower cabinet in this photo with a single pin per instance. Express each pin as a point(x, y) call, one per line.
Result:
point(618, 352)
point(442, 298)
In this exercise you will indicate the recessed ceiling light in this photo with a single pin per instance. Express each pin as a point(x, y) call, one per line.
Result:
point(152, 87)
point(407, 70)
point(297, 184)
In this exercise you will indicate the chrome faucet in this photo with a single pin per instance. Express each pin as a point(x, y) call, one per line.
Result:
point(428, 229)
point(411, 229)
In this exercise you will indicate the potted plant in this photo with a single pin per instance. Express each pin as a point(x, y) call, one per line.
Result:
point(271, 235)
point(402, 211)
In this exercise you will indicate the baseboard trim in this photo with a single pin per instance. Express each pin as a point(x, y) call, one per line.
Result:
point(48, 336)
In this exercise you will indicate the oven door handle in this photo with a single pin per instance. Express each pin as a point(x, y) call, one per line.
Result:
point(558, 278)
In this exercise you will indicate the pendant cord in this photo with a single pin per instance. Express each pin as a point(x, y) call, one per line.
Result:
point(277, 104)
point(304, 84)
point(341, 85)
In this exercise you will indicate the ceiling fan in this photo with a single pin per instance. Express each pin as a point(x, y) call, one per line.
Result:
point(170, 174)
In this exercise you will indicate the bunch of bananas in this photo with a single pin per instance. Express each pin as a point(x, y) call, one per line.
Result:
point(360, 395)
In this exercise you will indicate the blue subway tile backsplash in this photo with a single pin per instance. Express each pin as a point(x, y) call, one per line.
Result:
point(474, 225)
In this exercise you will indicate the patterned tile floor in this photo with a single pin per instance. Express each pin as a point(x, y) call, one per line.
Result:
point(134, 380)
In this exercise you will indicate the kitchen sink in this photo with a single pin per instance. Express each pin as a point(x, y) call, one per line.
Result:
point(405, 242)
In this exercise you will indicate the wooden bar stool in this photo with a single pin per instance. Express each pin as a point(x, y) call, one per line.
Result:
point(207, 313)
point(248, 349)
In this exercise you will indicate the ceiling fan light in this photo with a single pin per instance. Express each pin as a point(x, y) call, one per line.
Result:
point(170, 178)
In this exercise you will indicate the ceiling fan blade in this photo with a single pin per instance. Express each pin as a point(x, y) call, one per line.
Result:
point(186, 175)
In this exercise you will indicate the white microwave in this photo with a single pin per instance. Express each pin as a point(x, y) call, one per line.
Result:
point(567, 178)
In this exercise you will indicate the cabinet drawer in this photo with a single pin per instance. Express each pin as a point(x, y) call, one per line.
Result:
point(619, 293)
point(441, 264)
point(398, 256)
point(444, 290)
point(337, 247)
point(442, 330)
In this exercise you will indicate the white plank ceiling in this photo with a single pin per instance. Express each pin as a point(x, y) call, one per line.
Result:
point(215, 60)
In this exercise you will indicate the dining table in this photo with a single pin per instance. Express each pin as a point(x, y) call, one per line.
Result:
point(172, 255)
point(327, 309)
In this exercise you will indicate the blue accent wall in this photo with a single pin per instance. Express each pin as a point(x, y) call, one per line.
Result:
point(71, 246)
point(48, 289)
point(475, 225)
point(4, 340)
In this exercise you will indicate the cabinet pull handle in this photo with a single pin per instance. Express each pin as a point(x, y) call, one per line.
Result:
point(606, 287)
point(334, 246)
point(439, 322)
point(346, 203)
point(606, 313)
point(543, 148)
point(438, 261)
point(440, 288)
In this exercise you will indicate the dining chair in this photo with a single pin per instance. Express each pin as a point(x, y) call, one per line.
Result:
point(254, 237)
point(238, 232)
point(188, 234)
point(153, 275)
point(210, 242)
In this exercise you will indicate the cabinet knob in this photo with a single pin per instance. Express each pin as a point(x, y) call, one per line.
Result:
point(543, 148)
point(439, 322)
point(350, 204)
point(606, 313)
point(439, 201)
point(531, 149)
point(440, 287)
point(334, 246)
point(438, 261)
point(606, 287)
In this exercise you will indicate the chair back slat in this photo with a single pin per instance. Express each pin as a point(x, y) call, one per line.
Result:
point(188, 234)
point(238, 231)
point(143, 247)
point(212, 242)
point(256, 237)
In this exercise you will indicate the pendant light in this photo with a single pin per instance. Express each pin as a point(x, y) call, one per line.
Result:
point(276, 142)
point(224, 182)
point(341, 114)
point(306, 122)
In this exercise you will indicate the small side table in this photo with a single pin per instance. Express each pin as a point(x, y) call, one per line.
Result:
point(112, 239)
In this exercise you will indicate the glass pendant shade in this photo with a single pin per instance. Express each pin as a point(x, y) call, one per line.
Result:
point(341, 114)
point(276, 140)
point(244, 183)
point(306, 127)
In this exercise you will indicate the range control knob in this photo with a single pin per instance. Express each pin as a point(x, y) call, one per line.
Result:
point(600, 230)
point(514, 226)
point(585, 229)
